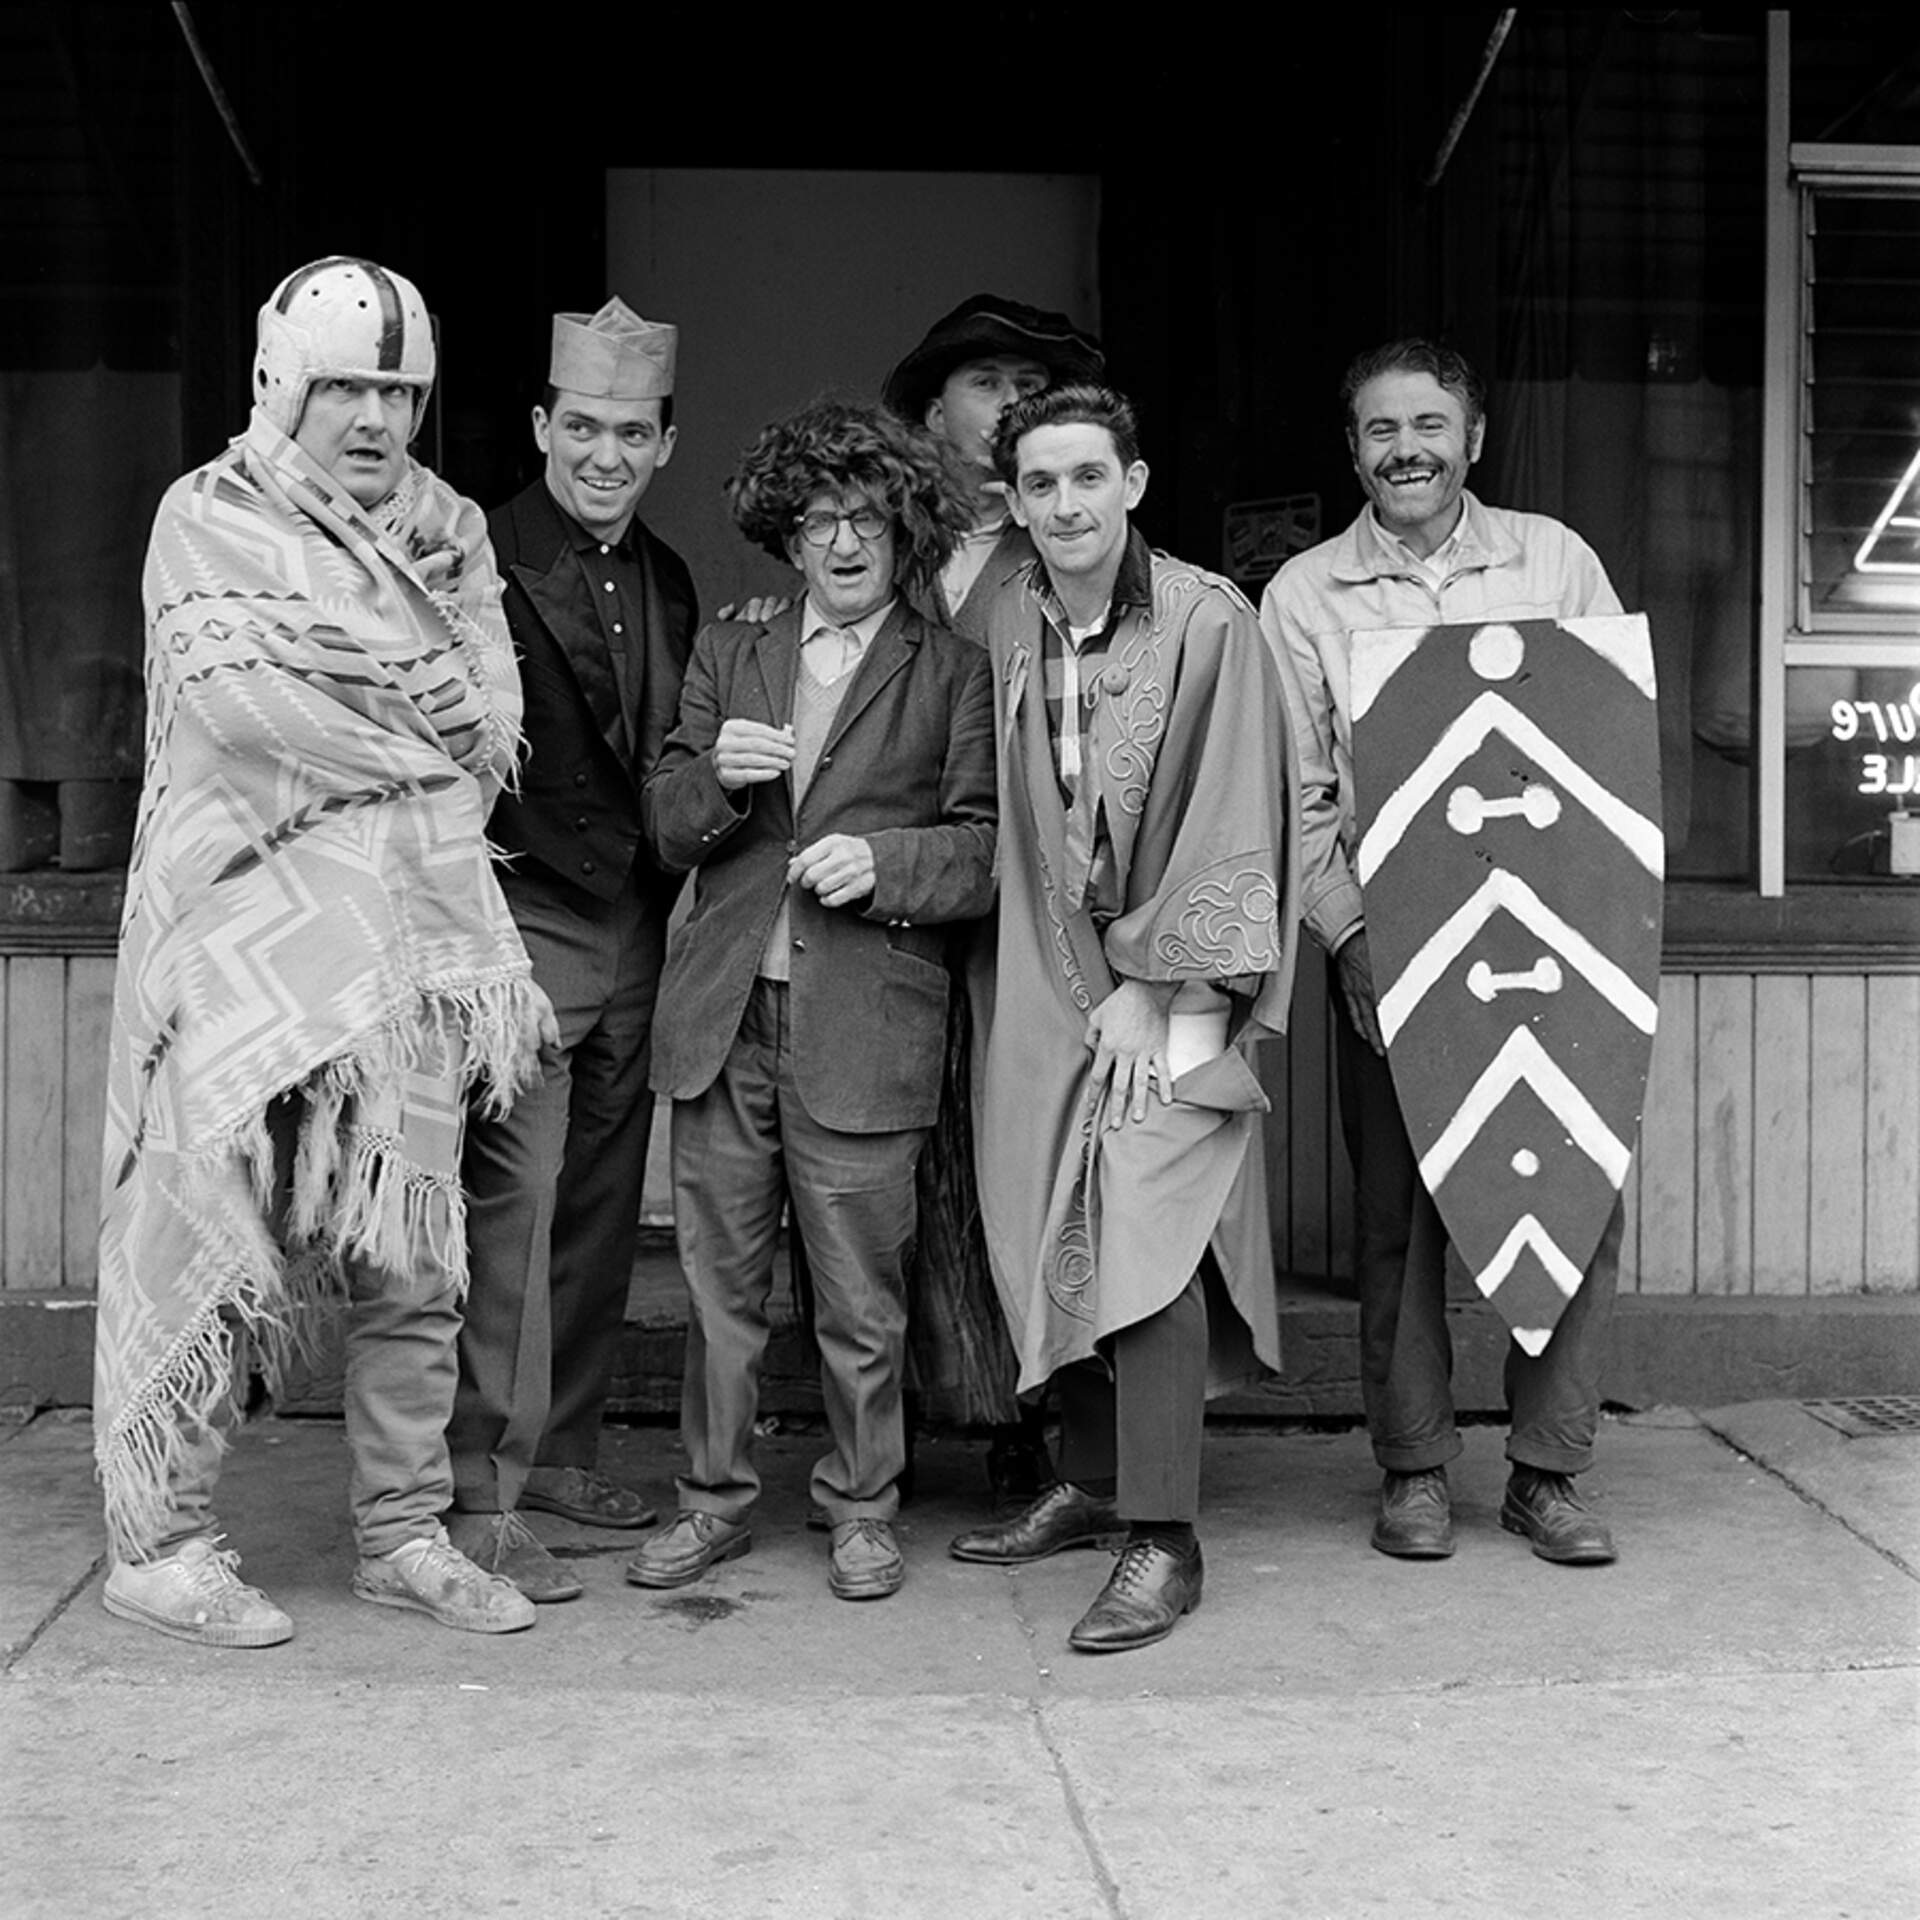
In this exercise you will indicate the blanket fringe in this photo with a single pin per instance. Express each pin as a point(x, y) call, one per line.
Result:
point(382, 1209)
point(355, 1196)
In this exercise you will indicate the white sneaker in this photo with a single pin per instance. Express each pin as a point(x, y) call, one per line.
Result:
point(196, 1594)
point(432, 1576)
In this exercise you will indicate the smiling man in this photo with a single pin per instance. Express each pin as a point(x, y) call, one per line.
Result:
point(602, 615)
point(1145, 941)
point(1422, 553)
point(830, 787)
point(972, 364)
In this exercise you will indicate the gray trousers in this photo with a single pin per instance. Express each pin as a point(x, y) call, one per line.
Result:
point(553, 1200)
point(1406, 1352)
point(400, 1370)
point(739, 1150)
point(1141, 1425)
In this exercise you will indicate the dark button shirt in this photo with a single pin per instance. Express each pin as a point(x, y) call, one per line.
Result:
point(603, 597)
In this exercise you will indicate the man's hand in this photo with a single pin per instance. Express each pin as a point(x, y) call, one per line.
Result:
point(759, 610)
point(838, 868)
point(1355, 967)
point(1128, 1034)
point(747, 753)
point(548, 1023)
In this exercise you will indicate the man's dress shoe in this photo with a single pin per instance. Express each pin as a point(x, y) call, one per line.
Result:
point(1416, 1515)
point(1152, 1585)
point(1064, 1516)
point(1549, 1511)
point(678, 1555)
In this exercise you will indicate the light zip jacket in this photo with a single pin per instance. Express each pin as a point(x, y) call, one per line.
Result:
point(1503, 566)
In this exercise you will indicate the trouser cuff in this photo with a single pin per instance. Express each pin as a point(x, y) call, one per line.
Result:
point(1420, 1459)
point(1548, 1459)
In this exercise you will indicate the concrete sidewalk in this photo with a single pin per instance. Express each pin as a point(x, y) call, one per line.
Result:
point(1722, 1724)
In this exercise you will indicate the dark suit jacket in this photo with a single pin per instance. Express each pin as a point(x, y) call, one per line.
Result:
point(577, 814)
point(907, 766)
point(1013, 553)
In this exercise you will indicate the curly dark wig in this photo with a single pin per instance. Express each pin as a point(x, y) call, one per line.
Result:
point(851, 451)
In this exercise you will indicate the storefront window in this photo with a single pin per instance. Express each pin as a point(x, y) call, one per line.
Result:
point(1839, 667)
point(1853, 778)
point(1860, 556)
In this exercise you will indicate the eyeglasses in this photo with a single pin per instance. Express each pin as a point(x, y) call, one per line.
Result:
point(823, 529)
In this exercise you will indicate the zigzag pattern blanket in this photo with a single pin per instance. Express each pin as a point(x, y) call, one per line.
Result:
point(311, 915)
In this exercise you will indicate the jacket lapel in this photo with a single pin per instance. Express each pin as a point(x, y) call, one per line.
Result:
point(893, 647)
point(776, 656)
point(1019, 662)
point(1010, 553)
point(1029, 755)
point(583, 649)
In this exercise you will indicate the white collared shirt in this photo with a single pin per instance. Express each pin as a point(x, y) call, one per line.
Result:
point(1434, 567)
point(832, 651)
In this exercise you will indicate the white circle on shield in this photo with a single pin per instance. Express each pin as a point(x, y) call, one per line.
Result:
point(1496, 653)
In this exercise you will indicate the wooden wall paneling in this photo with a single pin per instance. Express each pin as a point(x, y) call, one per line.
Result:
point(36, 1040)
point(1837, 1139)
point(1630, 1224)
point(1667, 1146)
point(1309, 1104)
point(1893, 1134)
point(1782, 1067)
point(1723, 1104)
point(89, 1022)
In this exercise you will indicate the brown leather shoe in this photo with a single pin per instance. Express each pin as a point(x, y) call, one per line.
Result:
point(1151, 1587)
point(1550, 1512)
point(1064, 1516)
point(1416, 1515)
point(678, 1555)
point(866, 1562)
point(586, 1495)
point(503, 1544)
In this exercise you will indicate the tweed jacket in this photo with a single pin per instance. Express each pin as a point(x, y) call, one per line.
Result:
point(908, 766)
point(1013, 554)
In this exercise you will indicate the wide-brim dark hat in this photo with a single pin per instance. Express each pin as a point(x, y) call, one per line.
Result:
point(979, 328)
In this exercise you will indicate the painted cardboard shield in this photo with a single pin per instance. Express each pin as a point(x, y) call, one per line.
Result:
point(1507, 792)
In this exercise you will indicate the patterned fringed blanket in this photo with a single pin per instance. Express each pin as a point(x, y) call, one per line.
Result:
point(311, 916)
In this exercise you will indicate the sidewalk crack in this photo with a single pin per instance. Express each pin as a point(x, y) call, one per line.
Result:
point(1077, 1815)
point(20, 1649)
point(1812, 1500)
point(1043, 1695)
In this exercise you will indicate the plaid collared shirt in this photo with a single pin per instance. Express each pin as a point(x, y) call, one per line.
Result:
point(1072, 678)
point(1070, 673)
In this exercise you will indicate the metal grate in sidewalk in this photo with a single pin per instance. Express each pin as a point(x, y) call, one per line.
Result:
point(1869, 1414)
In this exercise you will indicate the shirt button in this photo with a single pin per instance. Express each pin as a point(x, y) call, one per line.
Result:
point(579, 779)
point(618, 628)
point(587, 866)
point(799, 946)
point(793, 846)
point(580, 825)
point(604, 548)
